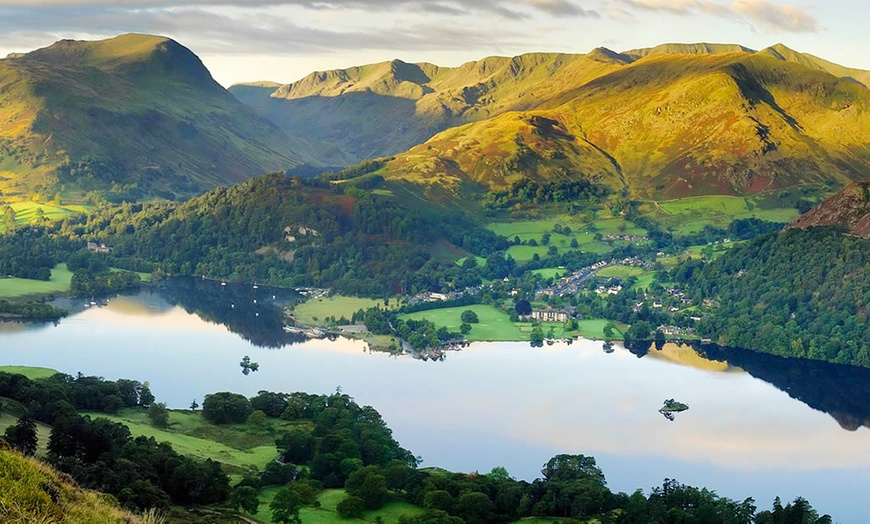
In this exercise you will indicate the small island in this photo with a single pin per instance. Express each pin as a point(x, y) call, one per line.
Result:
point(671, 407)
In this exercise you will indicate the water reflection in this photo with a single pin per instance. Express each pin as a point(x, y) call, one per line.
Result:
point(507, 404)
point(253, 313)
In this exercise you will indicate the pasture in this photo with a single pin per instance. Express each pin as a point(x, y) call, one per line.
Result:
point(494, 325)
point(59, 282)
point(314, 311)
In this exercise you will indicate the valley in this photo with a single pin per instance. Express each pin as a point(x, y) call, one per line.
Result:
point(513, 259)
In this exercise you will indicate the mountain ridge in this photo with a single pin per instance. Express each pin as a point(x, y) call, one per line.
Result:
point(768, 119)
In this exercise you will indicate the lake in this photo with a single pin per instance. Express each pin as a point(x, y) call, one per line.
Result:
point(757, 426)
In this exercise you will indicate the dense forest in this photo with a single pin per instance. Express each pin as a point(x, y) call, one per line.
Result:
point(797, 294)
point(291, 232)
point(331, 442)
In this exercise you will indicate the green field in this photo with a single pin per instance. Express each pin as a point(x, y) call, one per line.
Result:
point(30, 372)
point(60, 281)
point(495, 325)
point(550, 272)
point(583, 230)
point(326, 514)
point(312, 312)
point(620, 272)
point(594, 328)
point(17, 287)
point(690, 215)
point(233, 445)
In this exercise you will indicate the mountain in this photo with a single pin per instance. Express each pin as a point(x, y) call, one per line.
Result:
point(849, 207)
point(135, 109)
point(670, 121)
point(30, 491)
point(386, 108)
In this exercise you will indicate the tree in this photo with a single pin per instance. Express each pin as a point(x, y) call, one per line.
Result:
point(523, 307)
point(158, 414)
point(608, 330)
point(22, 436)
point(286, 505)
point(465, 328)
point(226, 408)
point(369, 485)
point(146, 398)
point(244, 497)
point(258, 419)
point(469, 316)
point(351, 508)
point(194, 406)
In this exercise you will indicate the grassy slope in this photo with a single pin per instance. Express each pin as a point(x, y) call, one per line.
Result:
point(236, 446)
point(326, 514)
point(31, 492)
point(30, 372)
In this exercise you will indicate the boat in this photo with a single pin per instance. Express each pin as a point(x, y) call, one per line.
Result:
point(314, 333)
point(293, 329)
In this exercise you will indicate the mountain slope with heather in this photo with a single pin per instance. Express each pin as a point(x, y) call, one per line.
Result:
point(849, 208)
point(135, 109)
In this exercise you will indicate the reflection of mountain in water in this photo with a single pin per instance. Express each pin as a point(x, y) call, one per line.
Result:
point(840, 391)
point(254, 313)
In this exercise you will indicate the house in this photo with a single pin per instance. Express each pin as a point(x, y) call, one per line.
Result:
point(98, 248)
point(552, 315)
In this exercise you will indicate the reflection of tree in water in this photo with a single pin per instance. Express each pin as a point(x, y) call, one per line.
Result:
point(255, 314)
point(838, 390)
point(670, 415)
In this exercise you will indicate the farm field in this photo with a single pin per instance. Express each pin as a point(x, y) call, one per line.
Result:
point(43, 432)
point(494, 325)
point(17, 287)
point(314, 311)
point(620, 271)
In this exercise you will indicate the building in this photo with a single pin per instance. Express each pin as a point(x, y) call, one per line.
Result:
point(551, 315)
point(98, 248)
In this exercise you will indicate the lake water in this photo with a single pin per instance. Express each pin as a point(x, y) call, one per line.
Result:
point(771, 427)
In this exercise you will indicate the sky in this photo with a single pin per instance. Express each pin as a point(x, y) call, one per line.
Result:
point(284, 40)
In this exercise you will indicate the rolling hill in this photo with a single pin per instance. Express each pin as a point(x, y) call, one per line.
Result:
point(671, 121)
point(135, 109)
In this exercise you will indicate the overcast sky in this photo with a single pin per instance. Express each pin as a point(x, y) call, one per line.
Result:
point(283, 40)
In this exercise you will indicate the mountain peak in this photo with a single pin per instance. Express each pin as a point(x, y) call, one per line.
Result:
point(700, 48)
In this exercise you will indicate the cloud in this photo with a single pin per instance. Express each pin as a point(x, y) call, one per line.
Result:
point(506, 8)
point(761, 14)
point(244, 33)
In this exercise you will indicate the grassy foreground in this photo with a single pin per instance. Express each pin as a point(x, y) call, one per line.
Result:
point(31, 492)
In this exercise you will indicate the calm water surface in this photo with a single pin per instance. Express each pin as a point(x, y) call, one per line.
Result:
point(504, 404)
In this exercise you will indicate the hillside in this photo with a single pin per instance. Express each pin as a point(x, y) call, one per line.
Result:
point(30, 491)
point(386, 108)
point(665, 122)
point(849, 207)
point(135, 109)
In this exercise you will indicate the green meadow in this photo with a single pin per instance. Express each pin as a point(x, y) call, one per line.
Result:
point(313, 311)
point(691, 214)
point(550, 272)
point(494, 325)
point(329, 499)
point(17, 287)
point(30, 372)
